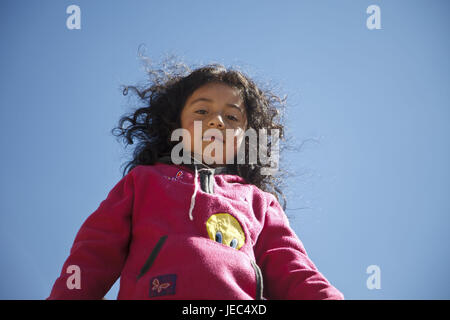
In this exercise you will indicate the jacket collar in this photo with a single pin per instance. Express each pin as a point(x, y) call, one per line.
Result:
point(191, 166)
point(206, 178)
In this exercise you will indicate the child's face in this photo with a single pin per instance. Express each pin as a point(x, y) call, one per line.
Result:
point(216, 106)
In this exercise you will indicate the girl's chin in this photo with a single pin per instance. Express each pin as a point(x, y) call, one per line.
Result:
point(213, 163)
point(210, 159)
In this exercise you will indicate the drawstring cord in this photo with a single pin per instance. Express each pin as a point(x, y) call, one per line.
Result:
point(193, 194)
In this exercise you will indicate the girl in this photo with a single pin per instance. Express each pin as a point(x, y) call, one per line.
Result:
point(192, 230)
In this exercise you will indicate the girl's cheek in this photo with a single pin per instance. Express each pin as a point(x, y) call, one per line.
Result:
point(196, 141)
point(188, 136)
point(238, 137)
point(237, 141)
point(186, 140)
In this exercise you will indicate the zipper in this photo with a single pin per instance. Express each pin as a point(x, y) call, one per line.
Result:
point(259, 281)
point(207, 180)
point(152, 256)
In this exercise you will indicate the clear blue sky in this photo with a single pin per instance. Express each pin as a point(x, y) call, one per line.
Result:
point(373, 177)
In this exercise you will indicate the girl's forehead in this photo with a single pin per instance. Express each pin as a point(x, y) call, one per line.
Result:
point(218, 90)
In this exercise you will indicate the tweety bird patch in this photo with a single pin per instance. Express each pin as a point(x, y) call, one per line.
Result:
point(225, 229)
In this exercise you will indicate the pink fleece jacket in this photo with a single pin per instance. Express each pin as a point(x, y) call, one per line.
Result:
point(168, 237)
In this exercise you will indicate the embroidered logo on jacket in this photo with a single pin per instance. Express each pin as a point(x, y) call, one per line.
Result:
point(177, 176)
point(163, 285)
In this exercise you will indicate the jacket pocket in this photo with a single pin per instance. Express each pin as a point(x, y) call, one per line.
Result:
point(149, 262)
point(259, 281)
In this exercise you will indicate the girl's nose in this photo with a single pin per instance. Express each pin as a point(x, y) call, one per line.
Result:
point(216, 122)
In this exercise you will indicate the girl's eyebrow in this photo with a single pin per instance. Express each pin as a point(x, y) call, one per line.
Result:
point(209, 100)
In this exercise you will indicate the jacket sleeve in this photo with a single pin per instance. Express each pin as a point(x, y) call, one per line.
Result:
point(287, 271)
point(100, 248)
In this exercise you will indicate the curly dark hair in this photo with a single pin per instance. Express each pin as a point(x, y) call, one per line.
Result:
point(163, 99)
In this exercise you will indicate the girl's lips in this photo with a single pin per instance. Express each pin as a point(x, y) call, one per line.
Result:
point(211, 138)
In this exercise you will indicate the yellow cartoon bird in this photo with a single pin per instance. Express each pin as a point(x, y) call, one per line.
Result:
point(225, 229)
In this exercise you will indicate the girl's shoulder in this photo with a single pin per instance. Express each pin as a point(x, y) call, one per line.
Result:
point(157, 169)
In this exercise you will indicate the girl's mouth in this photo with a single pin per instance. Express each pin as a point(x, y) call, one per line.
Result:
point(211, 138)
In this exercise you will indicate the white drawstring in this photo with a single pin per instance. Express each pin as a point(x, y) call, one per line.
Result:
point(193, 194)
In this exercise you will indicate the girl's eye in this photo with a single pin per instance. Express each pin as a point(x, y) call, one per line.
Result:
point(233, 118)
point(219, 237)
point(201, 111)
point(234, 243)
